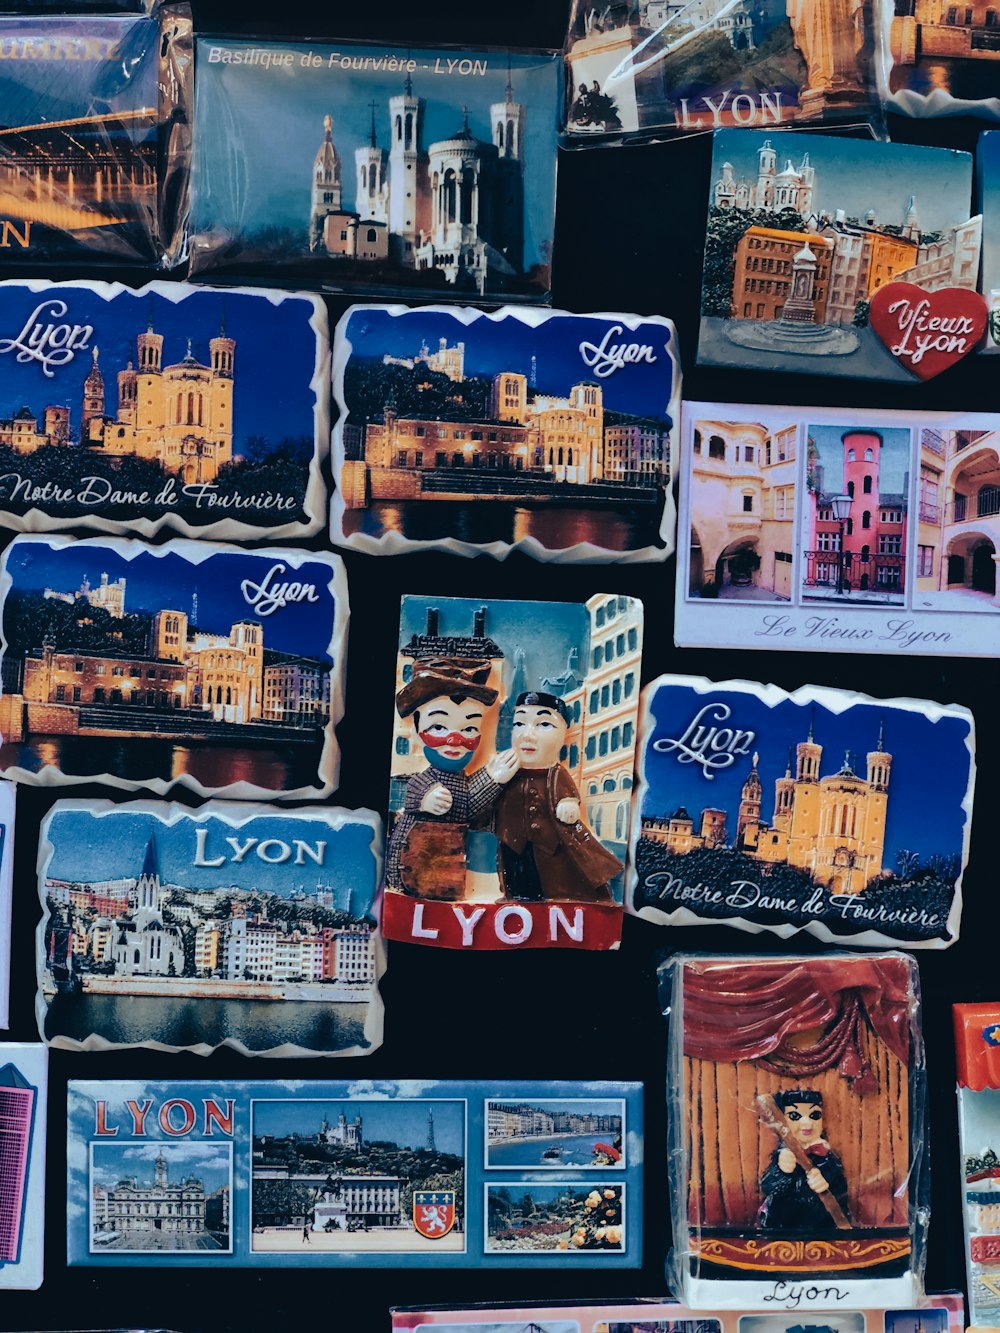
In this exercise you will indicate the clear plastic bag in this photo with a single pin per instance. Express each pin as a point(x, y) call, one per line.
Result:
point(427, 172)
point(649, 69)
point(796, 1140)
point(95, 150)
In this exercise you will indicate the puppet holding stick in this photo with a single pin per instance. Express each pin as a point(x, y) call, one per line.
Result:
point(804, 1186)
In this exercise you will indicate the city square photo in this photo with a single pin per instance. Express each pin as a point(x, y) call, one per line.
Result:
point(210, 666)
point(431, 175)
point(802, 237)
point(555, 1134)
point(239, 926)
point(544, 431)
point(171, 1198)
point(358, 1176)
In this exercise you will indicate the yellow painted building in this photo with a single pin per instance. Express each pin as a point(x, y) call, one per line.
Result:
point(179, 415)
point(958, 542)
point(833, 827)
point(742, 507)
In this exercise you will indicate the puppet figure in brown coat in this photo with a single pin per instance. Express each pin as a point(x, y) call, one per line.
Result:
point(545, 850)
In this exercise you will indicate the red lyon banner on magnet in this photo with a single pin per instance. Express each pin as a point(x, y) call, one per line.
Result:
point(928, 331)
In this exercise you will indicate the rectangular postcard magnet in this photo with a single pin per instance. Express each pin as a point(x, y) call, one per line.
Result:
point(646, 68)
point(376, 1174)
point(173, 406)
point(524, 430)
point(805, 811)
point(977, 1050)
point(943, 58)
point(513, 754)
point(214, 667)
point(23, 1101)
point(839, 257)
point(933, 1314)
point(796, 1091)
point(96, 138)
point(234, 925)
point(361, 169)
point(824, 529)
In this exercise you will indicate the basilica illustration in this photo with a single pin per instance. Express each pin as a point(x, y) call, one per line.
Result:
point(179, 415)
point(456, 206)
point(833, 827)
point(144, 945)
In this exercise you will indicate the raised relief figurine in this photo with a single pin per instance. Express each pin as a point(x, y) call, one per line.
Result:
point(447, 700)
point(545, 850)
point(804, 1186)
point(764, 1052)
point(509, 807)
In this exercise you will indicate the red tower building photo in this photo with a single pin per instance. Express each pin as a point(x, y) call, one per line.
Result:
point(855, 527)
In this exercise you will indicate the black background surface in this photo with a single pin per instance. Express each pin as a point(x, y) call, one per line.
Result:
point(629, 237)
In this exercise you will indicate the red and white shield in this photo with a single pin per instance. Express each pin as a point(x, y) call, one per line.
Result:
point(433, 1212)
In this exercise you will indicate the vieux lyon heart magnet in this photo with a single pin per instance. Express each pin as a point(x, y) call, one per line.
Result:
point(928, 331)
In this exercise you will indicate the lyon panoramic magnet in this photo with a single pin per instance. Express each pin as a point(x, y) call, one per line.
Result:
point(525, 430)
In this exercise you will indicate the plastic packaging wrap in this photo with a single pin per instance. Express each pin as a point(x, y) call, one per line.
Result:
point(419, 172)
point(95, 143)
point(796, 1090)
point(648, 69)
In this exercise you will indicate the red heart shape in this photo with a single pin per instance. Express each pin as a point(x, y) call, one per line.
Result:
point(928, 331)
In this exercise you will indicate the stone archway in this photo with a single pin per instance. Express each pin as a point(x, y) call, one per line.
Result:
point(738, 565)
point(984, 569)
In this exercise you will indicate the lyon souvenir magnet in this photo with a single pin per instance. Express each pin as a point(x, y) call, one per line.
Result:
point(839, 257)
point(805, 811)
point(355, 1175)
point(512, 772)
point(429, 174)
point(977, 1048)
point(173, 406)
point(646, 68)
point(988, 187)
point(8, 794)
point(234, 925)
point(819, 530)
point(210, 666)
point(797, 1111)
point(96, 137)
point(942, 59)
point(523, 430)
point(23, 1103)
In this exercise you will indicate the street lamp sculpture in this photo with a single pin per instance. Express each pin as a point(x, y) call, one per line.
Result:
point(841, 506)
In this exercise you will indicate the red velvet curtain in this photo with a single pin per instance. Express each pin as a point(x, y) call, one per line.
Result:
point(752, 1009)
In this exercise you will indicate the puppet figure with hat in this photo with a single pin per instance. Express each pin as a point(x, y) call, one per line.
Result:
point(448, 699)
point(545, 850)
